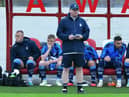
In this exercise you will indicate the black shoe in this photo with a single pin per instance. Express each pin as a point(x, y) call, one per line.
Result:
point(80, 91)
point(64, 90)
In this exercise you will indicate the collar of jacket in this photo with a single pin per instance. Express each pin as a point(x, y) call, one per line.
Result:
point(71, 17)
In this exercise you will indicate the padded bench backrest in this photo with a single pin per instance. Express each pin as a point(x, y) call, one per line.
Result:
point(92, 43)
point(37, 42)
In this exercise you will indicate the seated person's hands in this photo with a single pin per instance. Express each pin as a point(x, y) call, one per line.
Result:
point(71, 37)
point(78, 36)
point(31, 58)
point(107, 59)
point(49, 46)
point(52, 61)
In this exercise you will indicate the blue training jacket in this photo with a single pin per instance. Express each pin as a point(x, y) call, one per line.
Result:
point(69, 26)
point(114, 53)
point(90, 53)
point(56, 50)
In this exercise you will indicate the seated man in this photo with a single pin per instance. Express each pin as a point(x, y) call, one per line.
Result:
point(126, 65)
point(90, 57)
point(111, 57)
point(51, 59)
point(24, 53)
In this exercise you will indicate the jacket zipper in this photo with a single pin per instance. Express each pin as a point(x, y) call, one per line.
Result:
point(74, 27)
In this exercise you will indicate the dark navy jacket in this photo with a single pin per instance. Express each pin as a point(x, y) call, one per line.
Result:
point(25, 49)
point(90, 53)
point(114, 53)
point(68, 26)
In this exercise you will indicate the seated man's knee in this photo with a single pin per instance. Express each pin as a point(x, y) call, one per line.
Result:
point(44, 63)
point(126, 64)
point(59, 62)
point(41, 63)
point(127, 60)
point(91, 63)
point(17, 63)
point(30, 64)
point(42, 67)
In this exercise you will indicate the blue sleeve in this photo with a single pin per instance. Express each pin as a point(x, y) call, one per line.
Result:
point(124, 49)
point(95, 53)
point(60, 31)
point(86, 54)
point(121, 52)
point(86, 31)
point(104, 52)
point(44, 49)
point(59, 50)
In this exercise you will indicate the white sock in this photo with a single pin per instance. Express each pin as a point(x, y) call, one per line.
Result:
point(16, 71)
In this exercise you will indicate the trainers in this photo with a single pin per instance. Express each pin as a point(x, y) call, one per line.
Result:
point(93, 84)
point(30, 83)
point(12, 75)
point(127, 85)
point(44, 83)
point(118, 84)
point(64, 90)
point(70, 84)
point(113, 84)
point(80, 90)
point(16, 72)
point(58, 83)
point(100, 84)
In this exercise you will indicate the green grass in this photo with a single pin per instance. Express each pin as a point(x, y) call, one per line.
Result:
point(64, 95)
point(55, 91)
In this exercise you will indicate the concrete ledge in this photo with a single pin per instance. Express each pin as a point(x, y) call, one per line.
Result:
point(52, 79)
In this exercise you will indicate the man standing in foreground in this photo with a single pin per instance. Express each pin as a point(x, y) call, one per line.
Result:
point(73, 30)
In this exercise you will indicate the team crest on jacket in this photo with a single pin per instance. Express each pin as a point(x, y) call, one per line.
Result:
point(27, 48)
point(80, 25)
